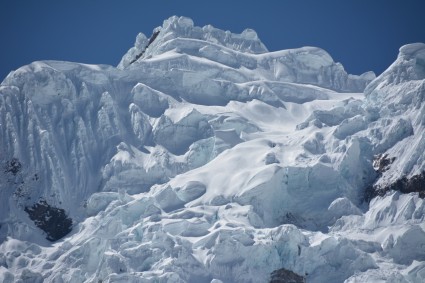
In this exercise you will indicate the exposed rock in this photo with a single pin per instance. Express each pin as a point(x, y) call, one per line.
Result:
point(13, 166)
point(382, 162)
point(415, 184)
point(151, 39)
point(52, 220)
point(286, 276)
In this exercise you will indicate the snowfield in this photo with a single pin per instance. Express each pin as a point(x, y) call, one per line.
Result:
point(205, 158)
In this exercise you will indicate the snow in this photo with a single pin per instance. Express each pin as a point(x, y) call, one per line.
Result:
point(205, 158)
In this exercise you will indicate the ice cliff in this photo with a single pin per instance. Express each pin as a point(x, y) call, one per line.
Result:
point(205, 158)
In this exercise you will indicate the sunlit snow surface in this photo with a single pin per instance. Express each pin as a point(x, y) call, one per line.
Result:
point(205, 158)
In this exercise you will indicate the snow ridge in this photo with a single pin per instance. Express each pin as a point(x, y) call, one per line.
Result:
point(202, 149)
point(176, 30)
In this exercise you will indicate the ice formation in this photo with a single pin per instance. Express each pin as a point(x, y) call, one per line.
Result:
point(205, 158)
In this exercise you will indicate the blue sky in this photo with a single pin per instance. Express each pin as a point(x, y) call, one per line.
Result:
point(361, 34)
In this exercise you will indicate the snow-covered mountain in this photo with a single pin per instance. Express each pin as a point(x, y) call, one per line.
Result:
point(205, 158)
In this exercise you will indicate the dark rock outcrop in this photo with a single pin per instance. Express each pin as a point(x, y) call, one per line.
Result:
point(405, 185)
point(151, 39)
point(415, 184)
point(286, 276)
point(13, 166)
point(382, 162)
point(52, 220)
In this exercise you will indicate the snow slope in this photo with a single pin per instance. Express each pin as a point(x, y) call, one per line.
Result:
point(202, 149)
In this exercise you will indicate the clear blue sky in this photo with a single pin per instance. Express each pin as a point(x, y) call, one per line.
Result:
point(361, 34)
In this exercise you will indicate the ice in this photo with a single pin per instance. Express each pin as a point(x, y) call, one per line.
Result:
point(177, 137)
point(138, 49)
point(205, 158)
point(183, 28)
point(151, 102)
point(343, 206)
point(404, 248)
point(350, 126)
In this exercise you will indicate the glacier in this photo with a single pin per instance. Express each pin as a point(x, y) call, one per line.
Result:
point(203, 157)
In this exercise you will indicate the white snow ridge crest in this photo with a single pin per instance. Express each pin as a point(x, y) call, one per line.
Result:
point(205, 158)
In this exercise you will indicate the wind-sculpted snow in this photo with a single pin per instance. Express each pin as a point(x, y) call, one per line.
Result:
point(205, 158)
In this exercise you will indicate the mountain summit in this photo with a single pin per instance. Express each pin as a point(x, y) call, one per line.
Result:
point(178, 32)
point(202, 149)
